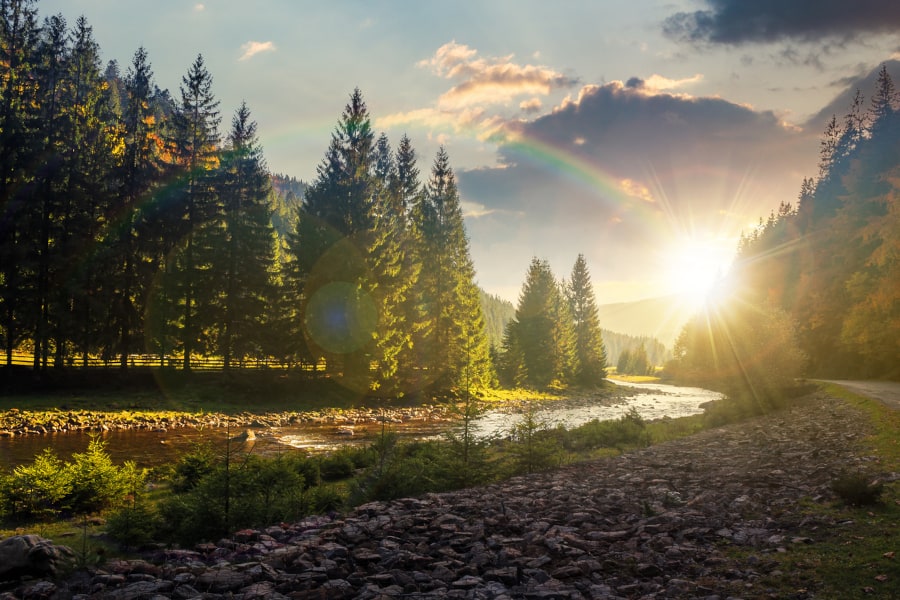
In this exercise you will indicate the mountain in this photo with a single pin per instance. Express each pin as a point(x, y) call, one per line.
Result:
point(661, 318)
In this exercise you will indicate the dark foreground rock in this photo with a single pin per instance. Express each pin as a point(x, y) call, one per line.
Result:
point(31, 556)
point(654, 523)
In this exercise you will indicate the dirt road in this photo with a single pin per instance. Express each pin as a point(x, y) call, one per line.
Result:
point(886, 391)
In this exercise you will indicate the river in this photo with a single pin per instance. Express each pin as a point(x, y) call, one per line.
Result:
point(151, 448)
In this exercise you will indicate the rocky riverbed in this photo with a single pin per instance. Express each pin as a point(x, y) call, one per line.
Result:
point(654, 523)
point(16, 422)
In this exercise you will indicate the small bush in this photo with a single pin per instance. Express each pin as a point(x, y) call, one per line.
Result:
point(629, 430)
point(250, 492)
point(534, 447)
point(135, 525)
point(37, 490)
point(858, 489)
point(49, 486)
point(336, 466)
point(97, 483)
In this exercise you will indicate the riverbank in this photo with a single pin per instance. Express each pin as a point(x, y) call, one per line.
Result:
point(130, 409)
point(746, 510)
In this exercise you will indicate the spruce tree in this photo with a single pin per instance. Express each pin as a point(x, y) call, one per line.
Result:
point(132, 243)
point(453, 343)
point(195, 150)
point(540, 334)
point(243, 261)
point(333, 236)
point(18, 92)
point(88, 188)
point(589, 349)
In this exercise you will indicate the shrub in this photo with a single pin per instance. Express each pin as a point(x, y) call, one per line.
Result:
point(336, 466)
point(97, 483)
point(250, 492)
point(627, 431)
point(36, 490)
point(48, 486)
point(135, 525)
point(533, 448)
point(858, 489)
point(192, 467)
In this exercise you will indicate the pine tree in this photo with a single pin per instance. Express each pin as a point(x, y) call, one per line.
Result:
point(453, 341)
point(589, 348)
point(195, 150)
point(243, 262)
point(131, 242)
point(392, 282)
point(18, 93)
point(408, 196)
point(334, 233)
point(88, 176)
point(540, 336)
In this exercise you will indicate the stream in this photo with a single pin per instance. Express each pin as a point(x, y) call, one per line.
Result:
point(153, 448)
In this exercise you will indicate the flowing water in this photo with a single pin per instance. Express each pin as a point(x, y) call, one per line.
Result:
point(151, 448)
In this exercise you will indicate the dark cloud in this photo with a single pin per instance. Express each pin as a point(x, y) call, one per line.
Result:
point(619, 173)
point(746, 21)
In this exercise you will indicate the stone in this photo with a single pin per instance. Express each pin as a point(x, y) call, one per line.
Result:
point(31, 556)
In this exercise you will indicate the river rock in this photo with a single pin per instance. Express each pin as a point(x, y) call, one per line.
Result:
point(32, 556)
point(653, 523)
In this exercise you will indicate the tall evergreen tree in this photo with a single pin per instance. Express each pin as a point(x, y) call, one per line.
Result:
point(453, 343)
point(331, 246)
point(540, 336)
point(88, 181)
point(18, 98)
point(589, 349)
point(392, 282)
point(195, 151)
point(408, 197)
point(244, 260)
point(132, 245)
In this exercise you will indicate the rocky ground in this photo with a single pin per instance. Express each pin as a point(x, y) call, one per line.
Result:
point(654, 523)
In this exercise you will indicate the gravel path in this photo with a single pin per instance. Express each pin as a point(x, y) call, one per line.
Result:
point(886, 391)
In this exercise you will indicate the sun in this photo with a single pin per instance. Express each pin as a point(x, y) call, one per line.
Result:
point(697, 267)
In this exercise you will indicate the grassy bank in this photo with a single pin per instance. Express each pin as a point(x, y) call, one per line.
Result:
point(852, 548)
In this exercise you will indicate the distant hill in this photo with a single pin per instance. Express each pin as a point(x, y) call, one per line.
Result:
point(616, 343)
point(497, 313)
point(288, 194)
point(660, 318)
point(615, 319)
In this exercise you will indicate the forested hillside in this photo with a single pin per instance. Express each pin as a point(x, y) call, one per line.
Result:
point(136, 226)
point(832, 261)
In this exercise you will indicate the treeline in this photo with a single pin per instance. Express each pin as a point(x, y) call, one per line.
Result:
point(555, 337)
point(832, 263)
point(132, 225)
point(618, 344)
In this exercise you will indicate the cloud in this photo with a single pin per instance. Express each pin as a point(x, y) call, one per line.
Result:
point(740, 21)
point(484, 89)
point(484, 81)
point(252, 48)
point(531, 106)
point(619, 172)
point(636, 189)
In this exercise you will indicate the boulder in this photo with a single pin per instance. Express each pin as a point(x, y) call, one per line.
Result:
point(31, 555)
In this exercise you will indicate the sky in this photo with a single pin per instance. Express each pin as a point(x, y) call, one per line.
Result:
point(645, 135)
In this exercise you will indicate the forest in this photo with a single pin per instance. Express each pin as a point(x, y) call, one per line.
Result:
point(814, 289)
point(136, 231)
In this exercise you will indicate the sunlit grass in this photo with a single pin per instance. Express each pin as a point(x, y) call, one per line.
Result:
point(634, 378)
